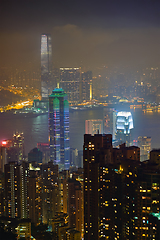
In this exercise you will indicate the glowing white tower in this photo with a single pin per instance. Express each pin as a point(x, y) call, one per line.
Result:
point(124, 124)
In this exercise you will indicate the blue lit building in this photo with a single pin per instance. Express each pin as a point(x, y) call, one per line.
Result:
point(124, 125)
point(59, 128)
point(46, 65)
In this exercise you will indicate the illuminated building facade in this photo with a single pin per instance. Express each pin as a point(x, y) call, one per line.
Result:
point(35, 196)
point(86, 86)
point(154, 225)
point(16, 189)
point(13, 190)
point(24, 229)
point(145, 146)
point(46, 65)
point(59, 128)
point(50, 192)
point(70, 79)
point(63, 177)
point(75, 204)
point(124, 125)
point(14, 147)
point(60, 225)
point(18, 143)
point(77, 84)
point(94, 126)
point(92, 162)
point(119, 192)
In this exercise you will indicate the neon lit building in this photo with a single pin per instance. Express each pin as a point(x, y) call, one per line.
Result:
point(124, 124)
point(59, 128)
point(46, 65)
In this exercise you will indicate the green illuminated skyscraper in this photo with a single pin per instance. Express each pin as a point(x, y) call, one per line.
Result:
point(59, 128)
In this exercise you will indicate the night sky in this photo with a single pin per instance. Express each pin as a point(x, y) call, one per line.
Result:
point(84, 33)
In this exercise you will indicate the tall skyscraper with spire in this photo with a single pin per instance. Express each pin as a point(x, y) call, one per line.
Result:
point(59, 128)
point(46, 65)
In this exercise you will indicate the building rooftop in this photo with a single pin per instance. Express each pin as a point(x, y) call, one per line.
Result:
point(58, 92)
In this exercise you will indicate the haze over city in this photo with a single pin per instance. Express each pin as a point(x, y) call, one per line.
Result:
point(90, 34)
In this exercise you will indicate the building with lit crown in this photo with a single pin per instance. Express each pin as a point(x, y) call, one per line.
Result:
point(124, 125)
point(59, 128)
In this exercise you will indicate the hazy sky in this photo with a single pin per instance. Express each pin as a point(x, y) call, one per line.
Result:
point(87, 33)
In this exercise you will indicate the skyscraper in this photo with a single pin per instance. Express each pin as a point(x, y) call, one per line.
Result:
point(59, 128)
point(70, 79)
point(46, 65)
point(96, 152)
point(124, 124)
point(86, 83)
point(16, 189)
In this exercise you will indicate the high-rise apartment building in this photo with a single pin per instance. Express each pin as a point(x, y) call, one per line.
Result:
point(50, 192)
point(93, 159)
point(75, 204)
point(94, 126)
point(35, 196)
point(14, 147)
point(46, 65)
point(63, 177)
point(16, 189)
point(124, 125)
point(120, 192)
point(59, 128)
point(18, 143)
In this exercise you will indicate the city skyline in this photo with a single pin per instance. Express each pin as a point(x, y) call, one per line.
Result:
point(84, 159)
point(101, 34)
